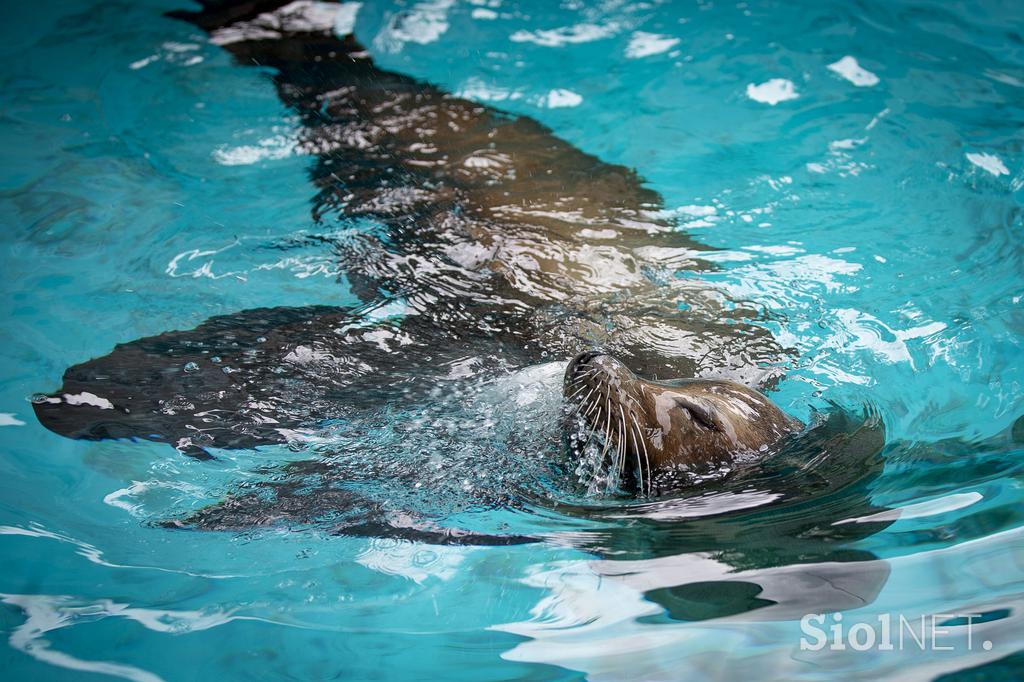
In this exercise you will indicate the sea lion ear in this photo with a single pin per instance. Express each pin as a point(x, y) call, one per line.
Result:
point(702, 412)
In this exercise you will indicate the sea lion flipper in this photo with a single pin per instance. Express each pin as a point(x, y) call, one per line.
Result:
point(258, 376)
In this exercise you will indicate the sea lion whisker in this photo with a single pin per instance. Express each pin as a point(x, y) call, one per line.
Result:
point(636, 451)
point(607, 435)
point(590, 393)
point(590, 437)
point(608, 418)
point(650, 474)
point(622, 440)
point(577, 392)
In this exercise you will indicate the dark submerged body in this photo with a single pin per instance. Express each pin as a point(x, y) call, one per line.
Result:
point(504, 245)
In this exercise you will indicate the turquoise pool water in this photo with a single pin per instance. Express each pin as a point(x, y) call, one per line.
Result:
point(859, 166)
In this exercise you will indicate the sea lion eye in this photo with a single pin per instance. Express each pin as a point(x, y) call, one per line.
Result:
point(701, 412)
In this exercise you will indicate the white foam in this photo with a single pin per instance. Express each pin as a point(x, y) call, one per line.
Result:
point(172, 46)
point(479, 91)
point(485, 14)
point(85, 398)
point(8, 419)
point(773, 91)
point(267, 149)
point(423, 23)
point(692, 210)
point(566, 35)
point(560, 98)
point(848, 68)
point(114, 499)
point(989, 162)
point(145, 61)
point(643, 44)
point(301, 16)
point(345, 18)
point(303, 355)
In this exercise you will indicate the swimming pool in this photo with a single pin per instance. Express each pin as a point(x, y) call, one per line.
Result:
point(858, 168)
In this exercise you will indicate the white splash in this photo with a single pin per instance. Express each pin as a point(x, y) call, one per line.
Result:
point(423, 23)
point(863, 331)
point(173, 46)
point(85, 398)
point(848, 68)
point(204, 270)
point(301, 16)
point(479, 91)
point(989, 162)
point(114, 499)
point(267, 149)
point(643, 44)
point(145, 61)
point(692, 211)
point(560, 98)
point(773, 91)
point(567, 35)
point(301, 267)
point(693, 215)
point(9, 419)
point(345, 19)
point(539, 385)
point(171, 52)
point(304, 355)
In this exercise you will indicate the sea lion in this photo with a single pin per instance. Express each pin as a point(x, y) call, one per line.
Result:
point(650, 428)
point(479, 244)
point(492, 245)
point(495, 245)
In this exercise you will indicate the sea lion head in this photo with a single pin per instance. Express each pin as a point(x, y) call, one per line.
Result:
point(651, 427)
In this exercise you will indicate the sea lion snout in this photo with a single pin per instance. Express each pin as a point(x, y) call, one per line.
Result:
point(651, 427)
point(578, 363)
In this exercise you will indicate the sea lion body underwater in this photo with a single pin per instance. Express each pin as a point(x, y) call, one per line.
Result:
point(493, 245)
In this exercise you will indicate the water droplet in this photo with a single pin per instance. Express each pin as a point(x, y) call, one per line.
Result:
point(191, 367)
point(215, 358)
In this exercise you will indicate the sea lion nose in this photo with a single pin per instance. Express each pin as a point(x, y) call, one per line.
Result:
point(582, 359)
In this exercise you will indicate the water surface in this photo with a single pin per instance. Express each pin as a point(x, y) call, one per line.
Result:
point(858, 165)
